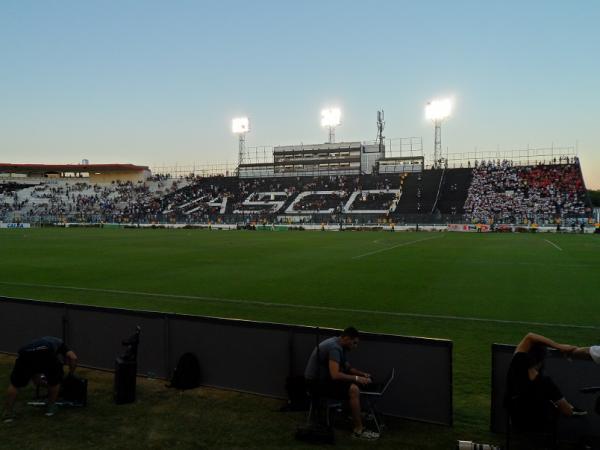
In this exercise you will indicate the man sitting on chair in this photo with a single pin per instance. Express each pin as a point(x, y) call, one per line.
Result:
point(329, 374)
point(533, 400)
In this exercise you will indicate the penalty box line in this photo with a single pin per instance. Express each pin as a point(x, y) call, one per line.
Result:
point(306, 307)
point(554, 245)
point(402, 244)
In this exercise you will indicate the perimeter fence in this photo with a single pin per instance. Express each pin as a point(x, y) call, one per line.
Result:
point(246, 356)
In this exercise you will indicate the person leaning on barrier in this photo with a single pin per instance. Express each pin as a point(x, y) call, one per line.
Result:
point(40, 361)
point(587, 353)
point(533, 400)
point(329, 374)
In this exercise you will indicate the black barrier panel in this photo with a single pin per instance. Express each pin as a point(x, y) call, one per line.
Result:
point(240, 355)
point(21, 322)
point(423, 375)
point(96, 335)
point(569, 376)
point(422, 387)
point(247, 356)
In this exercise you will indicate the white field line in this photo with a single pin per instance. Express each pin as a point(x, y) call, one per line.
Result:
point(306, 307)
point(475, 262)
point(553, 244)
point(402, 244)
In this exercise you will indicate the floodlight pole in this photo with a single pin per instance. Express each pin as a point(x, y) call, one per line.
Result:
point(380, 127)
point(437, 149)
point(332, 135)
point(242, 149)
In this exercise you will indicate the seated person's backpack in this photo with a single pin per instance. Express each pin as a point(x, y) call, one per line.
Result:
point(187, 373)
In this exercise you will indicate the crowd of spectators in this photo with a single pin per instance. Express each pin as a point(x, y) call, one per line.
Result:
point(81, 201)
point(502, 192)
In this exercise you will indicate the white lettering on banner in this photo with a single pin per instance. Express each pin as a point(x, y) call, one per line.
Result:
point(348, 207)
point(274, 201)
point(219, 202)
point(291, 209)
point(15, 225)
point(201, 203)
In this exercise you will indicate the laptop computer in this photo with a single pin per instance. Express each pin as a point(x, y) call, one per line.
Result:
point(378, 388)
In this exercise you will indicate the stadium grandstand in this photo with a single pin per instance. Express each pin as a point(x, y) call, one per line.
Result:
point(329, 183)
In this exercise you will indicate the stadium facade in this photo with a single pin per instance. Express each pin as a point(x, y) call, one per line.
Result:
point(344, 158)
point(93, 173)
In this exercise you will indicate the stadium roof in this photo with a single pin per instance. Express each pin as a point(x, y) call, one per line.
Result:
point(9, 167)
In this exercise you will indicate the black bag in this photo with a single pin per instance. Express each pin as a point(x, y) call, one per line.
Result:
point(187, 373)
point(298, 399)
point(73, 390)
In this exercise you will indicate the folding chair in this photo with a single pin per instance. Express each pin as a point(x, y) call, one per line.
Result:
point(322, 403)
point(372, 397)
point(593, 442)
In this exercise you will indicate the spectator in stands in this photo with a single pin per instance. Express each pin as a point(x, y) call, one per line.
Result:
point(40, 361)
point(532, 399)
point(329, 374)
point(501, 192)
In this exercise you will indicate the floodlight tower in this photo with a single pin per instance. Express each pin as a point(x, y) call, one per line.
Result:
point(241, 126)
point(331, 118)
point(380, 127)
point(437, 111)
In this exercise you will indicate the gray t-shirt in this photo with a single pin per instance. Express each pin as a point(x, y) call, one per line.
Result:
point(329, 350)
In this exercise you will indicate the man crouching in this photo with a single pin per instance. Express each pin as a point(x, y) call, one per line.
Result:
point(39, 360)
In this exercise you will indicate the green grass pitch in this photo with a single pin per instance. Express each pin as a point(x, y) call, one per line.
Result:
point(422, 284)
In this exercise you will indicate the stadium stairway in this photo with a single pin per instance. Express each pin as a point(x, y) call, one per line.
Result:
point(419, 192)
point(455, 188)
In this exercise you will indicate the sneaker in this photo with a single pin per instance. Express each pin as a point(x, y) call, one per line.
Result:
point(365, 435)
point(52, 409)
point(579, 412)
point(8, 417)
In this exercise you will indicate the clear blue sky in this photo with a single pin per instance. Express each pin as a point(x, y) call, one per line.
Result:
point(151, 82)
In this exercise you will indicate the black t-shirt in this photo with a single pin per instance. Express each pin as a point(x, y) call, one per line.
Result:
point(529, 399)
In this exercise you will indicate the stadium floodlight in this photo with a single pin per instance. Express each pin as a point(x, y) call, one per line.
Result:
point(241, 126)
point(331, 118)
point(437, 111)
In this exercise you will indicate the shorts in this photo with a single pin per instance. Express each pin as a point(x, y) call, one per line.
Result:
point(595, 353)
point(535, 411)
point(334, 389)
point(29, 364)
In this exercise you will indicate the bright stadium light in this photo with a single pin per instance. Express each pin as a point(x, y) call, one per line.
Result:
point(241, 126)
point(331, 118)
point(437, 111)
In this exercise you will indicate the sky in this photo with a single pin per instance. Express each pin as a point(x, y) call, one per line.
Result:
point(158, 82)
